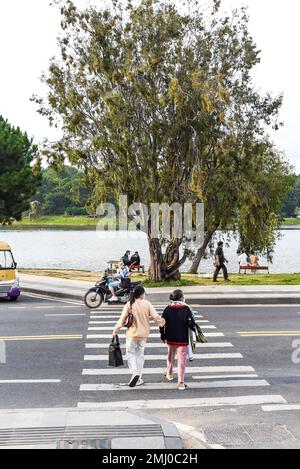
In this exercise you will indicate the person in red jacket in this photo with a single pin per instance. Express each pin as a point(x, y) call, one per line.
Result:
point(179, 318)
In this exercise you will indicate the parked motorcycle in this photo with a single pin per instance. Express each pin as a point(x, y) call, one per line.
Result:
point(101, 293)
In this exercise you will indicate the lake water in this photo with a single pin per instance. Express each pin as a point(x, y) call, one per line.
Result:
point(89, 250)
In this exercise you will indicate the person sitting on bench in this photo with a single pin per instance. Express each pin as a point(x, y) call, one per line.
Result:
point(135, 259)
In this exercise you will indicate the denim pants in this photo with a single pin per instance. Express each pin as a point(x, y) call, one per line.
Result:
point(135, 350)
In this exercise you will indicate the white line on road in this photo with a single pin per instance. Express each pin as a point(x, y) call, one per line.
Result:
point(200, 378)
point(29, 381)
point(64, 315)
point(154, 336)
point(186, 403)
point(161, 345)
point(56, 300)
point(169, 387)
point(280, 408)
point(113, 322)
point(106, 328)
point(199, 356)
point(161, 371)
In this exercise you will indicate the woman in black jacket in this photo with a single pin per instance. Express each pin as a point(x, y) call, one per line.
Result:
point(179, 319)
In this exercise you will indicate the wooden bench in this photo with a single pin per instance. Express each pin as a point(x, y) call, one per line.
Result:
point(138, 268)
point(254, 268)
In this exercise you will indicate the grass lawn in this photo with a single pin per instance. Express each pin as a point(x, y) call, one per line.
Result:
point(63, 222)
point(80, 222)
point(186, 280)
point(292, 221)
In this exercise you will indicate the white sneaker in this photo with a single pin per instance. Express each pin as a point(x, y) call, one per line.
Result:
point(114, 299)
point(140, 382)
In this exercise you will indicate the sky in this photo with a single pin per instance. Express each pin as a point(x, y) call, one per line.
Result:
point(28, 33)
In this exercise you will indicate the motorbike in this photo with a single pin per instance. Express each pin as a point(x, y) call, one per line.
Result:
point(101, 293)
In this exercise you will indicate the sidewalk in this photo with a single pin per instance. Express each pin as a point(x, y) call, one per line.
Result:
point(85, 429)
point(206, 295)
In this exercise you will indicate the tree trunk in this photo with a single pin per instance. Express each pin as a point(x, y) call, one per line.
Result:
point(165, 266)
point(156, 256)
point(200, 253)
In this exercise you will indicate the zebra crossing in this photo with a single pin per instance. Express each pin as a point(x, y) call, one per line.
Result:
point(217, 376)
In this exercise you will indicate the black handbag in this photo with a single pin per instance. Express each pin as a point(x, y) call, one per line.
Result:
point(115, 358)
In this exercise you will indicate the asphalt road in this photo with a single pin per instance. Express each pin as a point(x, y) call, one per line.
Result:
point(58, 341)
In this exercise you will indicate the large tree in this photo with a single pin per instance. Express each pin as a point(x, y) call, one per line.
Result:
point(159, 104)
point(19, 172)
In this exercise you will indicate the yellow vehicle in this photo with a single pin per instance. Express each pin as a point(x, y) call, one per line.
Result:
point(9, 280)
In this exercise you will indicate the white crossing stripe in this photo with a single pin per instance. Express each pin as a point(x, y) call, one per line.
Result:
point(154, 336)
point(105, 328)
point(173, 386)
point(113, 322)
point(161, 345)
point(224, 376)
point(117, 316)
point(186, 403)
point(29, 381)
point(161, 371)
point(199, 356)
point(64, 315)
point(280, 408)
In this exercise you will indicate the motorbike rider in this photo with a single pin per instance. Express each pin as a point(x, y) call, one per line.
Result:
point(122, 272)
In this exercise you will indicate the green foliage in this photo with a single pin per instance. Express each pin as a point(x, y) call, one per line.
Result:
point(62, 190)
point(160, 105)
point(292, 202)
point(19, 172)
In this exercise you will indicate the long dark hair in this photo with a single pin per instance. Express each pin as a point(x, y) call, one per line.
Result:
point(177, 295)
point(135, 294)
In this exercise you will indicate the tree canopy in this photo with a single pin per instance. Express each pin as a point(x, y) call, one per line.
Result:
point(19, 173)
point(158, 103)
point(63, 191)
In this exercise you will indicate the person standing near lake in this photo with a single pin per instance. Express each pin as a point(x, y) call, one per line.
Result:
point(243, 260)
point(220, 263)
point(179, 319)
point(137, 335)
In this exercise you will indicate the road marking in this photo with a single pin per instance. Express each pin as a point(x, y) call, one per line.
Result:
point(224, 376)
point(16, 307)
point(270, 334)
point(161, 345)
point(280, 408)
point(41, 337)
point(50, 298)
point(64, 315)
point(106, 328)
point(156, 336)
point(161, 371)
point(199, 356)
point(187, 403)
point(173, 387)
point(29, 381)
point(113, 322)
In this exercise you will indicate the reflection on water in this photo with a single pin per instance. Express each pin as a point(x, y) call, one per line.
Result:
point(87, 250)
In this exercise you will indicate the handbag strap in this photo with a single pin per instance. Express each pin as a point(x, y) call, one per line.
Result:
point(115, 339)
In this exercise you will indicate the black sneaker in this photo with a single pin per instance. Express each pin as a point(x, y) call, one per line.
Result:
point(133, 381)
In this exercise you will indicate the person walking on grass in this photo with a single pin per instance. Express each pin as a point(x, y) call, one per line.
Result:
point(179, 319)
point(220, 263)
point(138, 333)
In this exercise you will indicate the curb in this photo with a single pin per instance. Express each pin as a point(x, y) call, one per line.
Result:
point(148, 432)
point(52, 294)
point(163, 298)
